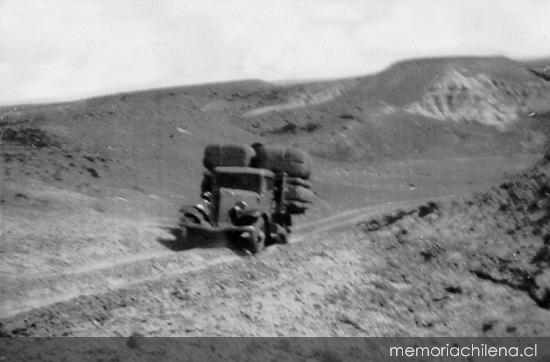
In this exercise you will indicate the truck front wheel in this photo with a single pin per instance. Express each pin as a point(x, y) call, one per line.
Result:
point(258, 241)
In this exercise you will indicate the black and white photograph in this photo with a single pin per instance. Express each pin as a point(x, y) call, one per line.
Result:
point(282, 168)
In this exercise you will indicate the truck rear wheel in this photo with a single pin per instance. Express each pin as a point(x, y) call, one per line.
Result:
point(281, 234)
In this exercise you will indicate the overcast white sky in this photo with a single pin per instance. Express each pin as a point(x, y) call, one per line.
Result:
point(53, 50)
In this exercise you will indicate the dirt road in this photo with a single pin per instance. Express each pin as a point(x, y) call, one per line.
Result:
point(76, 264)
point(397, 269)
point(38, 299)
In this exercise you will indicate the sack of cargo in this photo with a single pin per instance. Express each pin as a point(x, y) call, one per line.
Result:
point(299, 193)
point(293, 161)
point(296, 207)
point(217, 155)
point(299, 182)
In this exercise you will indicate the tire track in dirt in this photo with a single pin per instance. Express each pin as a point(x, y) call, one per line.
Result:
point(42, 292)
point(350, 217)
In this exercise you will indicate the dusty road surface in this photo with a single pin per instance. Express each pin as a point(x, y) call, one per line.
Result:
point(332, 284)
point(392, 269)
point(43, 285)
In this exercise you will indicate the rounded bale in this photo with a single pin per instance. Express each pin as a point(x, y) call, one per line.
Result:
point(299, 182)
point(292, 160)
point(296, 207)
point(218, 155)
point(299, 193)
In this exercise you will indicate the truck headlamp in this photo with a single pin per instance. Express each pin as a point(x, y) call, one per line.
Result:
point(239, 208)
point(241, 205)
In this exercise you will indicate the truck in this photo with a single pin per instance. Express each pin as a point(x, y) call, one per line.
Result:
point(250, 193)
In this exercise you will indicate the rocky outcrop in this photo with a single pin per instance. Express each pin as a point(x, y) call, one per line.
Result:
point(461, 96)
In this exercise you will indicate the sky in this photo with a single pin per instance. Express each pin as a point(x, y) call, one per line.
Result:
point(57, 50)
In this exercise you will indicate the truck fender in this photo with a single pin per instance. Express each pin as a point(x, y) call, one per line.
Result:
point(191, 212)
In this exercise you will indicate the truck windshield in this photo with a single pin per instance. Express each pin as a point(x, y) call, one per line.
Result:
point(240, 181)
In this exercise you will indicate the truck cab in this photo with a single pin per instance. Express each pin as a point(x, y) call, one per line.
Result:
point(240, 194)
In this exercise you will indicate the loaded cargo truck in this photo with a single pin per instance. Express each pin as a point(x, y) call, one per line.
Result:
point(250, 193)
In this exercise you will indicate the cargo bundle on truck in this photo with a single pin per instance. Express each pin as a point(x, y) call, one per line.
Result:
point(291, 160)
point(281, 160)
point(251, 191)
point(219, 155)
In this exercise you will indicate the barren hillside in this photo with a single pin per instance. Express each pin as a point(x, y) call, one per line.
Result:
point(425, 108)
point(89, 190)
point(464, 106)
